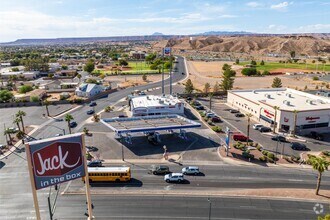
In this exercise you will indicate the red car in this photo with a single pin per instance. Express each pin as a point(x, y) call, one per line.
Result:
point(216, 119)
point(239, 137)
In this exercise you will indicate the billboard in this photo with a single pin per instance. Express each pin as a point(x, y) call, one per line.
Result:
point(56, 160)
point(167, 51)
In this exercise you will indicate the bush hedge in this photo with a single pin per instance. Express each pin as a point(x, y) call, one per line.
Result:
point(217, 129)
point(263, 159)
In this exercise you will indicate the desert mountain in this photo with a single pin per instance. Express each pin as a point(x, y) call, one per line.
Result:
point(304, 44)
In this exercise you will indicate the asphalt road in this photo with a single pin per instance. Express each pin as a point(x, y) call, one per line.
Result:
point(168, 207)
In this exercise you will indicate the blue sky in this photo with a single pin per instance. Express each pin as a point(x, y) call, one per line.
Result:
point(86, 18)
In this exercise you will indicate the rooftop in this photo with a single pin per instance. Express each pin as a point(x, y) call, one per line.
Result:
point(154, 101)
point(149, 123)
point(285, 99)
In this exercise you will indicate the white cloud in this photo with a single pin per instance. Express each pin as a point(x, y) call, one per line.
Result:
point(277, 28)
point(317, 28)
point(254, 4)
point(281, 6)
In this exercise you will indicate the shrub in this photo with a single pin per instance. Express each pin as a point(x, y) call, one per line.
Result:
point(258, 147)
point(287, 159)
point(264, 152)
point(315, 78)
point(108, 109)
point(326, 153)
point(217, 129)
point(249, 71)
point(34, 99)
point(295, 159)
point(270, 155)
point(262, 159)
point(210, 123)
point(206, 118)
point(247, 155)
point(25, 89)
point(270, 160)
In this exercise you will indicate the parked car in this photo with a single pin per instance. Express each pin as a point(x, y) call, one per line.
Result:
point(174, 177)
point(200, 107)
point(2, 146)
point(190, 170)
point(58, 135)
point(94, 163)
point(239, 115)
point(90, 112)
point(122, 116)
point(195, 103)
point(189, 98)
point(265, 129)
point(234, 111)
point(92, 104)
point(298, 146)
point(315, 135)
point(216, 119)
point(73, 124)
point(142, 94)
point(13, 130)
point(210, 115)
point(239, 137)
point(161, 169)
point(279, 138)
point(257, 126)
point(59, 119)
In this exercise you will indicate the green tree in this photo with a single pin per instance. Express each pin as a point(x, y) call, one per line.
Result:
point(216, 87)
point(277, 83)
point(89, 66)
point(253, 63)
point(5, 96)
point(8, 133)
point(20, 114)
point(14, 69)
point(144, 77)
point(123, 62)
point(320, 164)
point(34, 99)
point(189, 87)
point(292, 54)
point(206, 88)
point(237, 61)
point(68, 118)
point(79, 77)
point(227, 82)
point(65, 67)
point(249, 71)
point(262, 63)
point(16, 121)
point(226, 66)
point(25, 89)
point(265, 73)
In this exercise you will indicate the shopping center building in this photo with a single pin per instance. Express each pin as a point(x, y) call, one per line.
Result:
point(288, 107)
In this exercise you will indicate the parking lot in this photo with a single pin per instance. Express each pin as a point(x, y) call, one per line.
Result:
point(240, 124)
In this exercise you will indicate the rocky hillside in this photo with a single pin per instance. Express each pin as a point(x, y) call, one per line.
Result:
point(310, 45)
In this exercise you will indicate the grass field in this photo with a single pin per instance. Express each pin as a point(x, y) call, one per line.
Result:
point(139, 66)
point(307, 67)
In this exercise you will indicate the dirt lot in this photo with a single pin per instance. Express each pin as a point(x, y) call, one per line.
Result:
point(129, 80)
point(202, 72)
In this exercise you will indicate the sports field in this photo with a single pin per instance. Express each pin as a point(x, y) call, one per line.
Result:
point(275, 66)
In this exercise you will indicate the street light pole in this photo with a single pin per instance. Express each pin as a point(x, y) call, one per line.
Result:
point(122, 149)
point(276, 151)
point(210, 207)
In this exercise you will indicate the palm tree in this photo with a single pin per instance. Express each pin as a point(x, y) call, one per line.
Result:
point(319, 164)
point(16, 121)
point(68, 118)
point(248, 115)
point(275, 124)
point(20, 114)
point(46, 104)
point(8, 133)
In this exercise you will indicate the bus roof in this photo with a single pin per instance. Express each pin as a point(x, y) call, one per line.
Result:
point(108, 169)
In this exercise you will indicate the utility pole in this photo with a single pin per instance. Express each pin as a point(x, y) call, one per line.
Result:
point(171, 76)
point(163, 92)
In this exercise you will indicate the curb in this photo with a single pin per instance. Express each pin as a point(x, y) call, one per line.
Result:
point(190, 194)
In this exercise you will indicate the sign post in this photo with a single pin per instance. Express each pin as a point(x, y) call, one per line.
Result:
point(57, 160)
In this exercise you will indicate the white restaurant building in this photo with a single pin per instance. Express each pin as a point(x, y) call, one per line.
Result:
point(155, 105)
point(288, 107)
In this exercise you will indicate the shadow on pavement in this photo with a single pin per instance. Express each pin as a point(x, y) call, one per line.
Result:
point(2, 164)
point(133, 183)
point(141, 147)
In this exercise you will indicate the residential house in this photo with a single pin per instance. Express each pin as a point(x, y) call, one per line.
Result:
point(40, 93)
point(88, 90)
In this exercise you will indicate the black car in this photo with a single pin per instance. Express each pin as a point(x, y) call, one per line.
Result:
point(265, 129)
point(315, 135)
point(298, 146)
point(200, 107)
point(73, 124)
point(239, 115)
point(157, 170)
point(122, 116)
point(92, 104)
point(94, 163)
point(195, 103)
point(189, 98)
point(234, 111)
point(279, 138)
point(90, 112)
point(91, 148)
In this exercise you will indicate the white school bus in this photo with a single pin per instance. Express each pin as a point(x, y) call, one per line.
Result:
point(109, 174)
